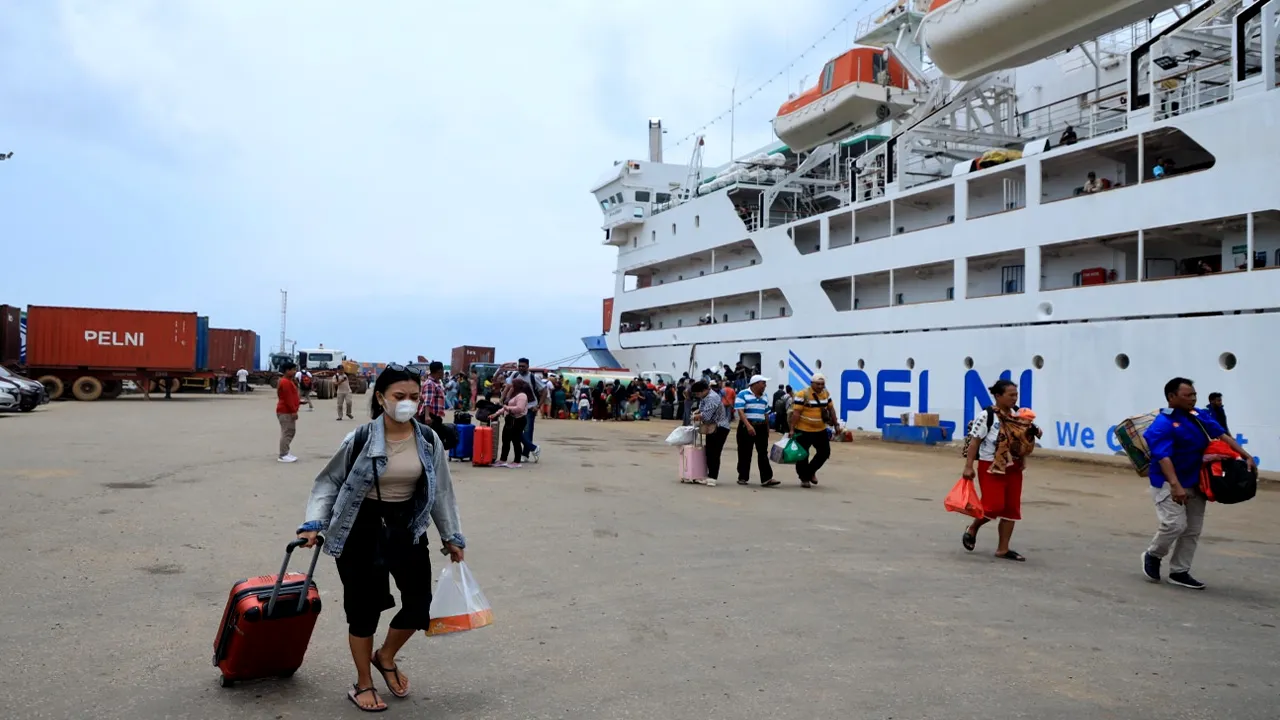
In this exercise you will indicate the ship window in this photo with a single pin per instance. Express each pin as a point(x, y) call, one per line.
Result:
point(1038, 362)
point(642, 196)
point(1077, 279)
point(1227, 361)
point(1122, 361)
point(673, 228)
point(697, 221)
point(617, 198)
point(662, 197)
point(911, 363)
point(951, 293)
point(968, 363)
point(828, 74)
point(1011, 277)
point(782, 311)
point(653, 235)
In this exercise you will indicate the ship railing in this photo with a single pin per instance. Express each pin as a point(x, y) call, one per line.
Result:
point(1114, 44)
point(1098, 112)
point(888, 12)
point(1193, 90)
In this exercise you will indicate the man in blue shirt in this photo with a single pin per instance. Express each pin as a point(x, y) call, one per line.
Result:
point(1177, 439)
point(752, 409)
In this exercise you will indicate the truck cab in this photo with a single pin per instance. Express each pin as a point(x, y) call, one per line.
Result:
point(321, 358)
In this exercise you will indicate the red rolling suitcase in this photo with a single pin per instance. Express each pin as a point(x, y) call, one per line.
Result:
point(267, 624)
point(482, 447)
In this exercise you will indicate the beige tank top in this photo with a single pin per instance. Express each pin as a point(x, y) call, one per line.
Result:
point(402, 473)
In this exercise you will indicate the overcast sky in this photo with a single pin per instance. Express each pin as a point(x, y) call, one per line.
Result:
point(414, 173)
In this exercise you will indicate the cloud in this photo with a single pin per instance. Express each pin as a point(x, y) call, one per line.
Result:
point(380, 155)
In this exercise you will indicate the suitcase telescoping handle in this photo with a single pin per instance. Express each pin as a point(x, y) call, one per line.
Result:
point(306, 582)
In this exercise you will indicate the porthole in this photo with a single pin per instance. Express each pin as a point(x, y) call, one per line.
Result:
point(968, 363)
point(862, 364)
point(911, 363)
point(1046, 310)
point(673, 365)
point(1227, 361)
point(818, 364)
point(1037, 362)
point(1122, 361)
point(782, 365)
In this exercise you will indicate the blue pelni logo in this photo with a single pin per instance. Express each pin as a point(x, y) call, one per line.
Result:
point(800, 375)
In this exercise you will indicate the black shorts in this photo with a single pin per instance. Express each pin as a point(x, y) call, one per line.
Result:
point(366, 570)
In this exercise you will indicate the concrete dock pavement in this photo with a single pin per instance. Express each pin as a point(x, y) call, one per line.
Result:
point(617, 591)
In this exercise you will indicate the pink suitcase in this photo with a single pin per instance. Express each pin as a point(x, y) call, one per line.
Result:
point(693, 462)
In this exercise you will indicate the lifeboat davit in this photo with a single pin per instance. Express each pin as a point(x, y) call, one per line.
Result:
point(969, 38)
point(857, 90)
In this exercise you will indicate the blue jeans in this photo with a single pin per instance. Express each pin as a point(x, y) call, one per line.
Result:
point(527, 437)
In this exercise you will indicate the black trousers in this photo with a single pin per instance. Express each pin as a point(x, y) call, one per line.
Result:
point(366, 566)
point(819, 441)
point(760, 444)
point(715, 446)
point(513, 435)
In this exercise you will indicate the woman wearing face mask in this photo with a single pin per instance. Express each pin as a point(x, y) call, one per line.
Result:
point(519, 401)
point(373, 502)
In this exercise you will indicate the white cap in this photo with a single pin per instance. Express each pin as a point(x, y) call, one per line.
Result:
point(818, 376)
point(758, 379)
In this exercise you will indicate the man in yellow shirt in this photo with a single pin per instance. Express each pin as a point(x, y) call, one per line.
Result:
point(810, 416)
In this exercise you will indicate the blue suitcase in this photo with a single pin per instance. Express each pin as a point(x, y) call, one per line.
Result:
point(466, 439)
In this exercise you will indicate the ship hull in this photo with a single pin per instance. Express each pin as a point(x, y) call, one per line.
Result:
point(1070, 374)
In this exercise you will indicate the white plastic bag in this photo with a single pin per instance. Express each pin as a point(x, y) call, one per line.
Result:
point(683, 435)
point(458, 603)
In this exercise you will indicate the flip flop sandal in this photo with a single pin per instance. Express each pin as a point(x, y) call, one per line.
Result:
point(744, 482)
point(1011, 555)
point(772, 483)
point(394, 669)
point(969, 540)
point(356, 692)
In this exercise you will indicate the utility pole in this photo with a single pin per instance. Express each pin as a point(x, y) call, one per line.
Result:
point(284, 312)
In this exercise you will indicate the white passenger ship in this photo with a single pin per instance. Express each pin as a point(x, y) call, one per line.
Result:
point(915, 237)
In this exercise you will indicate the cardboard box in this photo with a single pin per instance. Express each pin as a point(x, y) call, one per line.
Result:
point(919, 419)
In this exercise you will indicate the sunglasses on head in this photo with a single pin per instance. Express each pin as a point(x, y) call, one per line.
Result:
point(397, 367)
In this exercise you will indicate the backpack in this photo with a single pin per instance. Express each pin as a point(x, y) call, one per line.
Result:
point(306, 381)
point(968, 432)
point(1228, 480)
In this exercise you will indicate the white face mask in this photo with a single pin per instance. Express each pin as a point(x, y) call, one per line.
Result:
point(402, 411)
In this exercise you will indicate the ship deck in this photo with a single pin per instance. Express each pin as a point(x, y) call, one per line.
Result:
point(619, 592)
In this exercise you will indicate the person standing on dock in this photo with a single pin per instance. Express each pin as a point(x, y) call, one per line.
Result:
point(287, 406)
point(713, 421)
point(810, 416)
point(540, 392)
point(342, 390)
point(242, 380)
point(752, 409)
point(1218, 412)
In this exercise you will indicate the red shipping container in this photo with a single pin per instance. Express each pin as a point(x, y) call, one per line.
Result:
point(10, 334)
point(462, 356)
point(608, 314)
point(110, 339)
point(230, 349)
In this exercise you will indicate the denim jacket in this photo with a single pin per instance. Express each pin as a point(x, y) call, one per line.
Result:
point(336, 496)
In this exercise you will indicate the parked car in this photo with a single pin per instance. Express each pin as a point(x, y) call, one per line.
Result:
point(30, 393)
point(8, 397)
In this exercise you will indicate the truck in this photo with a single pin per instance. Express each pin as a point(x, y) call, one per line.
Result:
point(88, 353)
point(323, 363)
point(463, 356)
point(220, 352)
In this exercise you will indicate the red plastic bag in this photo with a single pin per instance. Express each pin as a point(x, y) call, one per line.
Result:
point(964, 499)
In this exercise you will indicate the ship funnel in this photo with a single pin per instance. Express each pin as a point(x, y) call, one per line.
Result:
point(655, 140)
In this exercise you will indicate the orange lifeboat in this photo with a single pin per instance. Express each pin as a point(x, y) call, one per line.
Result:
point(857, 90)
point(969, 38)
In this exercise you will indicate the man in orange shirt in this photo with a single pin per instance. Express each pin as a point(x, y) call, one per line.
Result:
point(730, 395)
point(287, 404)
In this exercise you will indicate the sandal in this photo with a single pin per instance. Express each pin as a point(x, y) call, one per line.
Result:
point(969, 540)
point(356, 691)
point(1011, 555)
point(395, 670)
point(744, 482)
point(771, 483)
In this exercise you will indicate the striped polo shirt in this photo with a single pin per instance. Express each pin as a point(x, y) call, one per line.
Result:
point(756, 408)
